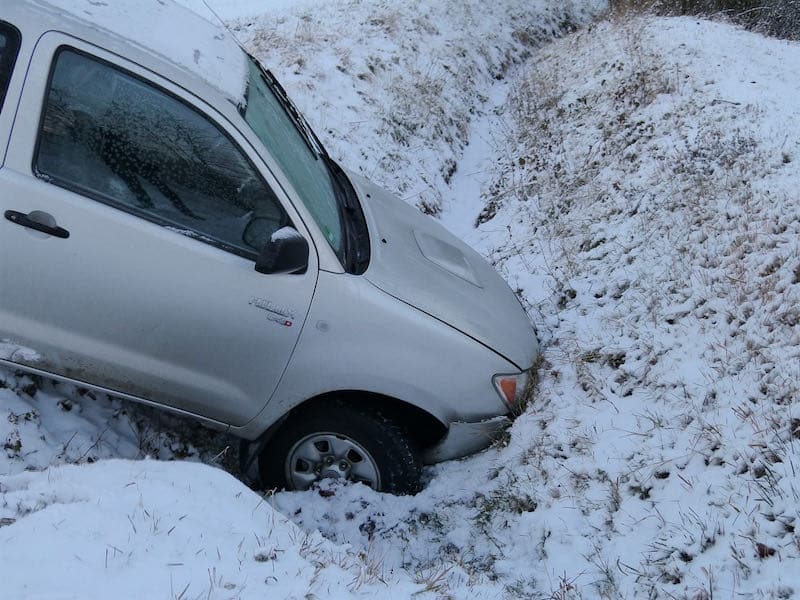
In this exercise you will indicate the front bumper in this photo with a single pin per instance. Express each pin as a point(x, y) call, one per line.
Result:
point(465, 438)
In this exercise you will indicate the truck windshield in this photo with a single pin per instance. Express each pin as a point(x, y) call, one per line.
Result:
point(301, 157)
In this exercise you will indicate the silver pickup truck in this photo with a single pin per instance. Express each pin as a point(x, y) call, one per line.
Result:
point(175, 234)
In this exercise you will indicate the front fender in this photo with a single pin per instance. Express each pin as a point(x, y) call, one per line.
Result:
point(357, 337)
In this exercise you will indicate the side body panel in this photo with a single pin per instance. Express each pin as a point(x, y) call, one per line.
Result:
point(130, 305)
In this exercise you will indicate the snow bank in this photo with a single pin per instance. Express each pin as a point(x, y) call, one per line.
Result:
point(60, 425)
point(151, 529)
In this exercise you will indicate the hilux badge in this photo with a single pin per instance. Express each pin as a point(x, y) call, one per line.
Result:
point(275, 312)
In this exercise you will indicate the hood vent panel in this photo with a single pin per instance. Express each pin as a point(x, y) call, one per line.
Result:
point(446, 256)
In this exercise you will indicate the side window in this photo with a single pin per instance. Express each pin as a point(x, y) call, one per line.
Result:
point(111, 136)
point(9, 46)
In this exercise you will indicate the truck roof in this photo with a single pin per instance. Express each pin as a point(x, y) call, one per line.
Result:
point(161, 28)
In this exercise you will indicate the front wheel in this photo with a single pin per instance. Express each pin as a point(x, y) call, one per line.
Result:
point(336, 440)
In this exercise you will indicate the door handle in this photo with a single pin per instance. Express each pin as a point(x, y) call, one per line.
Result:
point(32, 221)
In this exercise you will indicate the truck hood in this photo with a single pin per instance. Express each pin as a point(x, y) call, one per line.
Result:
point(419, 262)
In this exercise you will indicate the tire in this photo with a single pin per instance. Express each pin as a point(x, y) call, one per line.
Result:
point(340, 440)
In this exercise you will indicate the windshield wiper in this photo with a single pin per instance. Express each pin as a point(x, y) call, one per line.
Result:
point(342, 183)
point(357, 249)
point(346, 209)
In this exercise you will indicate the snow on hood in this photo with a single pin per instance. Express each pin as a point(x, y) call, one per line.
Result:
point(170, 31)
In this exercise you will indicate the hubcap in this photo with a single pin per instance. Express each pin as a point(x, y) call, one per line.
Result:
point(329, 455)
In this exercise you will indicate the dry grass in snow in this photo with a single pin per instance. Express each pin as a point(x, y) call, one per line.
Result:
point(652, 186)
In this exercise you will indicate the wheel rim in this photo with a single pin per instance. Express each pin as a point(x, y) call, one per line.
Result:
point(330, 455)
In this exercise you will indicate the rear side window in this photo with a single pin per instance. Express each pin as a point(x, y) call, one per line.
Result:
point(9, 46)
point(114, 137)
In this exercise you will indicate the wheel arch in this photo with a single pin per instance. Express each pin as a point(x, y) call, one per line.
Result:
point(422, 426)
point(393, 434)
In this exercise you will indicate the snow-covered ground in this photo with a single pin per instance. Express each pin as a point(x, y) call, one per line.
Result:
point(154, 529)
point(636, 182)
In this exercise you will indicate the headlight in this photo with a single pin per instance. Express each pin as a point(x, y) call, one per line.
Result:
point(511, 388)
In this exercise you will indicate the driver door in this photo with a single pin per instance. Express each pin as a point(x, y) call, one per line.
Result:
point(128, 248)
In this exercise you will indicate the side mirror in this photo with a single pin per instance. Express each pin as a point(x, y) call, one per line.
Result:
point(285, 252)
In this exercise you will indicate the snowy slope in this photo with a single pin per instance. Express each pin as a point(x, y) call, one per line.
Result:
point(648, 210)
point(392, 87)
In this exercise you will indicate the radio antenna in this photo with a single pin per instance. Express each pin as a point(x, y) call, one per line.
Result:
point(225, 26)
point(213, 12)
